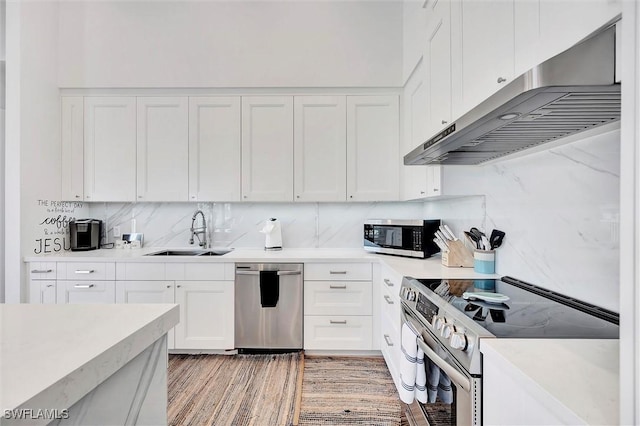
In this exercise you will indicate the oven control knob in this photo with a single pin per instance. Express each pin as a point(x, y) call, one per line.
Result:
point(447, 330)
point(412, 295)
point(458, 340)
point(437, 322)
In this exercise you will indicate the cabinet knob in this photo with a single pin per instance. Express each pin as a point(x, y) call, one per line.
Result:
point(193, 197)
point(88, 196)
point(350, 196)
point(297, 196)
point(444, 121)
point(501, 79)
point(435, 190)
point(168, 286)
point(422, 192)
point(179, 286)
point(77, 196)
point(244, 196)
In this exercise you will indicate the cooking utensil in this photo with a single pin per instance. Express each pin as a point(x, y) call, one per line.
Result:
point(495, 240)
point(473, 239)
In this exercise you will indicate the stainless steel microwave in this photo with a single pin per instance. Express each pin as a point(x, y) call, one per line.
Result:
point(409, 238)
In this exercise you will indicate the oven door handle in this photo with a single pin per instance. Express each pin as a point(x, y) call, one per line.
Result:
point(457, 377)
point(451, 372)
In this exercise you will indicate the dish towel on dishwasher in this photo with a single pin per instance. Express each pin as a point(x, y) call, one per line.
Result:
point(438, 384)
point(413, 376)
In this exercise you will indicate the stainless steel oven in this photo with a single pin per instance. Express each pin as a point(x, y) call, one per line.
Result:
point(451, 318)
point(464, 407)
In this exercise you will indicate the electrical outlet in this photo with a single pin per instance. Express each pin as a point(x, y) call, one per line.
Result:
point(116, 233)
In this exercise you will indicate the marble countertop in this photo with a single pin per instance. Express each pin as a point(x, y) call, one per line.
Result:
point(579, 380)
point(418, 268)
point(53, 355)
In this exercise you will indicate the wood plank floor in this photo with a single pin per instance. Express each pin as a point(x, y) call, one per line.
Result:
point(220, 390)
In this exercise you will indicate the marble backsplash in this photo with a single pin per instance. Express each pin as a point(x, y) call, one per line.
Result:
point(560, 209)
point(304, 225)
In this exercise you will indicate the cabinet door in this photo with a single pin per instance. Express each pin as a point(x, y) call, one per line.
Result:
point(86, 292)
point(147, 292)
point(163, 149)
point(110, 148)
point(72, 148)
point(434, 181)
point(438, 53)
point(320, 164)
point(415, 124)
point(267, 148)
point(42, 291)
point(373, 144)
point(206, 315)
point(214, 148)
point(487, 49)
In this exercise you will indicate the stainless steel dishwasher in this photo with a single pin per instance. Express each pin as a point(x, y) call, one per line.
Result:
point(268, 307)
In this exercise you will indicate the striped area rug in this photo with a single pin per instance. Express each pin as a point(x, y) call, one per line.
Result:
point(234, 390)
point(348, 391)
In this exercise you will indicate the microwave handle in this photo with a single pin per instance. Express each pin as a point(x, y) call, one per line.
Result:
point(455, 376)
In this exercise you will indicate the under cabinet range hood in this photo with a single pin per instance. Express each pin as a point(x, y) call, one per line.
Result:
point(569, 93)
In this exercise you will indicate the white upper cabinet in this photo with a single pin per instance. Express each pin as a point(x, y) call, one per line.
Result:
point(373, 144)
point(267, 148)
point(544, 28)
point(487, 49)
point(110, 148)
point(438, 54)
point(320, 148)
point(416, 99)
point(163, 149)
point(214, 148)
point(72, 148)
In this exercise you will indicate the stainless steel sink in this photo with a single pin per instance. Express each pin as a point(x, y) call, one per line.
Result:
point(189, 253)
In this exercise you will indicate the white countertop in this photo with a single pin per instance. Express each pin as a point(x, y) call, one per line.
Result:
point(576, 379)
point(53, 355)
point(417, 268)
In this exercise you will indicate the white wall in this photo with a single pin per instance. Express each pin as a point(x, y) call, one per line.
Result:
point(230, 44)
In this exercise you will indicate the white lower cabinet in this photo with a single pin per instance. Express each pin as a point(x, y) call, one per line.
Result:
point(206, 315)
point(42, 282)
point(86, 292)
point(338, 312)
point(390, 321)
point(42, 291)
point(147, 292)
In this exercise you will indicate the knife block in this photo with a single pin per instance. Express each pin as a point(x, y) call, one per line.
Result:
point(457, 256)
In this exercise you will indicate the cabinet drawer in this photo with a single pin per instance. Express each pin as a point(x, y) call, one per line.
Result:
point(42, 270)
point(199, 271)
point(86, 292)
point(140, 271)
point(337, 271)
point(86, 271)
point(338, 332)
point(337, 298)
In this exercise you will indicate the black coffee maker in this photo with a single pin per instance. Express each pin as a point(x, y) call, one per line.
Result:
point(85, 234)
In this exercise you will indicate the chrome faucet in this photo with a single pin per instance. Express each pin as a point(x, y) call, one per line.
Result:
point(197, 231)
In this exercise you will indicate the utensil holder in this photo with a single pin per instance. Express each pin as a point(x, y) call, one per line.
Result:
point(458, 255)
point(484, 261)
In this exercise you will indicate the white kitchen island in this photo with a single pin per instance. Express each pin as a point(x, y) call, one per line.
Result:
point(84, 364)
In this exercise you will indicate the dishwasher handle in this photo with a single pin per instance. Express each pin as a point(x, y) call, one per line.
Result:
point(258, 272)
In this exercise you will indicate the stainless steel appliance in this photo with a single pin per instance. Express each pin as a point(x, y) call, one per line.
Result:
point(569, 93)
point(452, 317)
point(268, 307)
point(85, 234)
point(409, 238)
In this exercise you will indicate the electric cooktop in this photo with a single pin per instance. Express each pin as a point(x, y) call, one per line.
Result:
point(510, 308)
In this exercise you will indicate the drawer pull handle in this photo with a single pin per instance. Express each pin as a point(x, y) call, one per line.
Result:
point(388, 340)
point(338, 272)
point(337, 322)
point(85, 271)
point(338, 286)
point(388, 282)
point(280, 273)
point(41, 271)
point(388, 299)
point(84, 285)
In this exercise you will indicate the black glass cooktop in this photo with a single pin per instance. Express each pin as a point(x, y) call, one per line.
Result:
point(530, 312)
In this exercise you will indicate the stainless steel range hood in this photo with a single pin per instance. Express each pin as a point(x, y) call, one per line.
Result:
point(570, 93)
